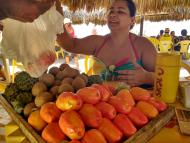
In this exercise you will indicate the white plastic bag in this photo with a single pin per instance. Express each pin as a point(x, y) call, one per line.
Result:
point(33, 44)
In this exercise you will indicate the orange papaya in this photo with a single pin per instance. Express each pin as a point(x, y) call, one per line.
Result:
point(106, 109)
point(120, 105)
point(159, 105)
point(72, 125)
point(105, 94)
point(52, 133)
point(93, 136)
point(68, 101)
point(111, 87)
point(137, 117)
point(140, 94)
point(36, 121)
point(89, 95)
point(125, 125)
point(110, 131)
point(125, 95)
point(49, 112)
point(91, 116)
point(148, 109)
point(75, 141)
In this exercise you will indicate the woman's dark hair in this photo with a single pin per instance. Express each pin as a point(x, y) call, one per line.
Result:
point(132, 7)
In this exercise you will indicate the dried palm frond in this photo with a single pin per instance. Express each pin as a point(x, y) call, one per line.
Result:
point(174, 10)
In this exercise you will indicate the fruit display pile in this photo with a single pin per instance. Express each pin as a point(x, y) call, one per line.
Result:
point(66, 107)
point(27, 93)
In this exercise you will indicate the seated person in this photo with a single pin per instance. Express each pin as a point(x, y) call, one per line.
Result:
point(132, 56)
point(183, 44)
point(166, 42)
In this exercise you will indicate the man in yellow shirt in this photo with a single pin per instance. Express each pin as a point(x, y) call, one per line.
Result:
point(166, 42)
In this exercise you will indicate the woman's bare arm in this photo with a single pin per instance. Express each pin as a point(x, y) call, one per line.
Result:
point(85, 45)
point(149, 60)
point(148, 55)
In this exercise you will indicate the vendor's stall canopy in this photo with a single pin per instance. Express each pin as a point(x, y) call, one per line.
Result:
point(85, 11)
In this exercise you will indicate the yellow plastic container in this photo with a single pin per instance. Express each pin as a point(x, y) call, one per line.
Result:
point(13, 134)
point(3, 86)
point(167, 76)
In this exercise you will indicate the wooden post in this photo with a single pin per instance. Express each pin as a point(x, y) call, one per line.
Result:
point(141, 25)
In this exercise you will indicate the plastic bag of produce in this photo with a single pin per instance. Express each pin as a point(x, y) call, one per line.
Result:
point(33, 44)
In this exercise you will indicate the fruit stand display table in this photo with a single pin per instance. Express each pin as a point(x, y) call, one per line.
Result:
point(142, 136)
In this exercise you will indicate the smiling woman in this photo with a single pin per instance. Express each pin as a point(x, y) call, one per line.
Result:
point(132, 56)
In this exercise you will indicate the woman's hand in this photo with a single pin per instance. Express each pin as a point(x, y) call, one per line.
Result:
point(136, 77)
point(27, 10)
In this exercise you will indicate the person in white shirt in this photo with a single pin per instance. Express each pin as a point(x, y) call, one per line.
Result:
point(23, 10)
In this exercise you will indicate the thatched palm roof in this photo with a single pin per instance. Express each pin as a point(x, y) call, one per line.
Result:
point(154, 10)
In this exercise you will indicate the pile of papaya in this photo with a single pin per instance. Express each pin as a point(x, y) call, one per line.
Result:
point(95, 114)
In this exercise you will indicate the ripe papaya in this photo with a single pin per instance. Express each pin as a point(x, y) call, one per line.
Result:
point(110, 131)
point(125, 125)
point(93, 136)
point(49, 112)
point(72, 125)
point(148, 109)
point(120, 105)
point(106, 109)
point(137, 117)
point(140, 94)
point(159, 105)
point(52, 133)
point(125, 95)
point(89, 95)
point(105, 94)
point(68, 101)
point(74, 141)
point(36, 121)
point(91, 116)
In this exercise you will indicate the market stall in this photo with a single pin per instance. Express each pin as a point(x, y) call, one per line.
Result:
point(161, 127)
point(32, 126)
point(106, 111)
